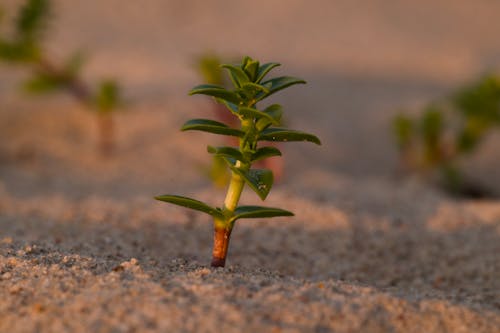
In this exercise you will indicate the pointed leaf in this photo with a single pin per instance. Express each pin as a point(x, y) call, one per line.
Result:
point(238, 75)
point(283, 134)
point(279, 83)
point(265, 152)
point(275, 111)
point(251, 68)
point(259, 180)
point(254, 88)
point(254, 113)
point(191, 203)
point(226, 152)
point(233, 108)
point(264, 69)
point(211, 126)
point(215, 91)
point(249, 212)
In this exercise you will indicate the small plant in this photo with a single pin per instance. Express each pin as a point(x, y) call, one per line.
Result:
point(448, 132)
point(256, 125)
point(25, 48)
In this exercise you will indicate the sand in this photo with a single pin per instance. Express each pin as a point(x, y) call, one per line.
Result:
point(85, 248)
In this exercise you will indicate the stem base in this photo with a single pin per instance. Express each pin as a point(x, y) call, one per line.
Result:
point(221, 244)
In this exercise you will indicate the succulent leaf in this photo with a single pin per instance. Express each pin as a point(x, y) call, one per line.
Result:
point(248, 212)
point(264, 69)
point(254, 113)
point(259, 180)
point(265, 152)
point(238, 75)
point(279, 83)
point(211, 126)
point(283, 135)
point(226, 152)
point(191, 203)
point(215, 91)
point(274, 111)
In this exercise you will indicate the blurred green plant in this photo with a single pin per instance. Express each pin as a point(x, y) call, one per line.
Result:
point(444, 134)
point(209, 67)
point(256, 124)
point(25, 48)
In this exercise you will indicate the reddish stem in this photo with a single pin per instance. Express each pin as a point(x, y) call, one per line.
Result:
point(106, 133)
point(221, 244)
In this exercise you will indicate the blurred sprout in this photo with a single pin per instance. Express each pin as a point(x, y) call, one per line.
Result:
point(30, 26)
point(209, 67)
point(42, 83)
point(33, 20)
point(403, 130)
point(107, 97)
point(481, 101)
point(25, 47)
point(431, 132)
point(449, 132)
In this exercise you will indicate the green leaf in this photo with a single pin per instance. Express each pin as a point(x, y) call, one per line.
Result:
point(264, 69)
point(209, 68)
point(191, 203)
point(283, 134)
point(249, 212)
point(18, 51)
point(211, 126)
point(253, 89)
point(217, 92)
point(251, 68)
point(218, 172)
point(233, 108)
point(33, 18)
point(226, 152)
point(280, 83)
point(275, 111)
point(259, 180)
point(403, 128)
point(238, 75)
point(74, 64)
point(108, 96)
point(41, 84)
point(254, 113)
point(265, 152)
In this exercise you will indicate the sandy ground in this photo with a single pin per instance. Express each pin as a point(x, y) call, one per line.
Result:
point(85, 248)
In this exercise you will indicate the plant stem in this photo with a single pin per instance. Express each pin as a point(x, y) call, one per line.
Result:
point(221, 244)
point(106, 133)
point(222, 229)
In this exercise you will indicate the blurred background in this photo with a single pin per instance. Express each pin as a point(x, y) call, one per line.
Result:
point(364, 62)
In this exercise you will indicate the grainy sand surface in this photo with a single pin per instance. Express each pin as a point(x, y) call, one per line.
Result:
point(85, 248)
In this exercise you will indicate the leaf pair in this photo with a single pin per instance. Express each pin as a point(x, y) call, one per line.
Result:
point(234, 153)
point(242, 212)
point(270, 134)
point(245, 88)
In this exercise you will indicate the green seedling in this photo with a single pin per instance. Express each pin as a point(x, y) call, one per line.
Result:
point(25, 48)
point(256, 124)
point(448, 132)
